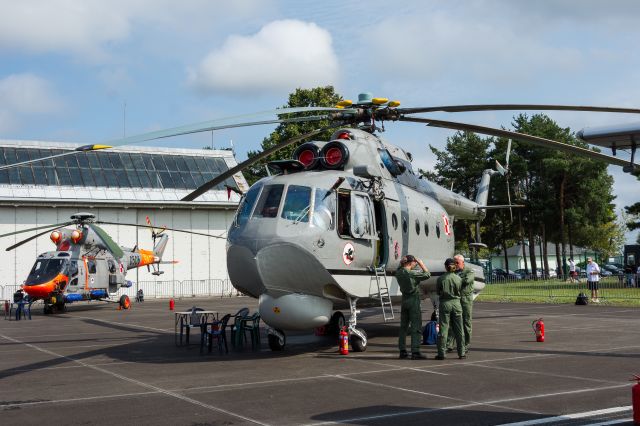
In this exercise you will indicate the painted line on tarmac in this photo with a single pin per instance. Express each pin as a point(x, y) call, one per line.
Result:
point(454, 407)
point(128, 324)
point(547, 395)
point(537, 373)
point(396, 367)
point(467, 402)
point(612, 422)
point(140, 383)
point(87, 398)
point(574, 416)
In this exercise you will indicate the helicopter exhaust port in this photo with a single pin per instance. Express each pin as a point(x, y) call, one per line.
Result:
point(295, 311)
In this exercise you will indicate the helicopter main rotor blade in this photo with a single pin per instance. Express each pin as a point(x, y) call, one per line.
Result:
point(163, 228)
point(205, 126)
point(224, 176)
point(33, 237)
point(515, 107)
point(54, 226)
point(535, 140)
point(114, 248)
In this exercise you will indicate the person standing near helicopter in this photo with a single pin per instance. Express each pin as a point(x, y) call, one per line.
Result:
point(466, 301)
point(450, 310)
point(410, 314)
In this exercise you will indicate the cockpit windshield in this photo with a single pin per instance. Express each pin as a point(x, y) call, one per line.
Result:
point(297, 203)
point(247, 204)
point(269, 201)
point(45, 270)
point(324, 209)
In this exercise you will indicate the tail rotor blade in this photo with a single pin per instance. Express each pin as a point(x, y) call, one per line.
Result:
point(506, 163)
point(500, 169)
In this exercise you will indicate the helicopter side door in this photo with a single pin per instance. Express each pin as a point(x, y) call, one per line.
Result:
point(356, 222)
point(73, 273)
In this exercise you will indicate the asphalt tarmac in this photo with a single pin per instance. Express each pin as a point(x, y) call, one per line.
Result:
point(97, 365)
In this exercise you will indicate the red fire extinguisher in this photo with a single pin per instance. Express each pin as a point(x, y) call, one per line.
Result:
point(172, 304)
point(344, 341)
point(538, 329)
point(635, 397)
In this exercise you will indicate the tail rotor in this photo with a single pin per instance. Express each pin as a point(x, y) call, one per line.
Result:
point(504, 171)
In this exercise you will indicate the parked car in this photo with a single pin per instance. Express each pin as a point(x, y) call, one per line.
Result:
point(539, 273)
point(611, 269)
point(501, 274)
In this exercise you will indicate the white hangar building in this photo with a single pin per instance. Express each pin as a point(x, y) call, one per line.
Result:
point(123, 185)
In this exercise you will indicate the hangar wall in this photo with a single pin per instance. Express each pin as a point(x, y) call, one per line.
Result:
point(198, 257)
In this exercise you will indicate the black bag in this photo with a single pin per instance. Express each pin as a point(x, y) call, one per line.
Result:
point(582, 299)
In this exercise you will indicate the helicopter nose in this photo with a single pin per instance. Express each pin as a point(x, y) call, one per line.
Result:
point(40, 291)
point(243, 272)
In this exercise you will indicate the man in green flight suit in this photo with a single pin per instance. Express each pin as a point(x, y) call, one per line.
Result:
point(466, 301)
point(410, 314)
point(450, 311)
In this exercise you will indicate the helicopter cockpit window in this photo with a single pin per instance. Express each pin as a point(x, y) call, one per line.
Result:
point(45, 270)
point(72, 269)
point(297, 203)
point(247, 204)
point(269, 201)
point(389, 162)
point(361, 221)
point(91, 266)
point(324, 209)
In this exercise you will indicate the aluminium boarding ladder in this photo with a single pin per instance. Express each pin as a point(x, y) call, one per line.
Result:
point(383, 291)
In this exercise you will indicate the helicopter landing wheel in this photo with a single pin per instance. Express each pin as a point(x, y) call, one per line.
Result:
point(277, 342)
point(125, 302)
point(336, 323)
point(359, 340)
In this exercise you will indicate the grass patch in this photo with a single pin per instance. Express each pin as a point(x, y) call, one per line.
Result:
point(611, 292)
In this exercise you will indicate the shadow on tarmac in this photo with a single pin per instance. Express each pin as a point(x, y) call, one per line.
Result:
point(384, 414)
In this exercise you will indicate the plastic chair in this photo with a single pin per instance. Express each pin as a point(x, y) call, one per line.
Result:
point(236, 326)
point(194, 322)
point(215, 330)
point(252, 325)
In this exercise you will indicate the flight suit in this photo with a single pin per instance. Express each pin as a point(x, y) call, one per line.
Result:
point(410, 313)
point(450, 310)
point(466, 301)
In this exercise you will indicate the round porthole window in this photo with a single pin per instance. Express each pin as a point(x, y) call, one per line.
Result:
point(404, 225)
point(417, 227)
point(438, 230)
point(394, 221)
point(426, 229)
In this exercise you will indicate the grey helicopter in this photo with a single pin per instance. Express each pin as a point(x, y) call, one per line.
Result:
point(326, 231)
point(87, 264)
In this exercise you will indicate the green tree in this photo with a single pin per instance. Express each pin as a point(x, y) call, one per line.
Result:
point(315, 97)
point(633, 212)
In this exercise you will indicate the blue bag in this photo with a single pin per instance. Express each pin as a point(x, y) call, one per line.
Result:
point(430, 333)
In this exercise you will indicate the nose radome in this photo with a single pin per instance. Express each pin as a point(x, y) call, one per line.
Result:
point(243, 272)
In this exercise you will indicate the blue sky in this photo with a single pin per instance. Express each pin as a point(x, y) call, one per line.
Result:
point(68, 67)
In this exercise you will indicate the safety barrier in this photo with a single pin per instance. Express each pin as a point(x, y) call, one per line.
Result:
point(619, 287)
point(161, 289)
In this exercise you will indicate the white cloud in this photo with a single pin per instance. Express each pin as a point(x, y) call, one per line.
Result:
point(25, 95)
point(282, 55)
point(93, 29)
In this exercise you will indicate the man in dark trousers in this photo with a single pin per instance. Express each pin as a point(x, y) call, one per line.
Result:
point(466, 301)
point(410, 314)
point(450, 310)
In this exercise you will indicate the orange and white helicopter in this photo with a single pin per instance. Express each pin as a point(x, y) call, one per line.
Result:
point(87, 264)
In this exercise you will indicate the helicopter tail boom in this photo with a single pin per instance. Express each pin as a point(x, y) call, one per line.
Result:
point(161, 244)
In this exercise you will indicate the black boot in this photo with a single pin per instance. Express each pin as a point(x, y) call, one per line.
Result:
point(403, 355)
point(417, 355)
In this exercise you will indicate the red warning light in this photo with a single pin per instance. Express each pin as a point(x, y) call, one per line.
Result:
point(76, 236)
point(55, 237)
